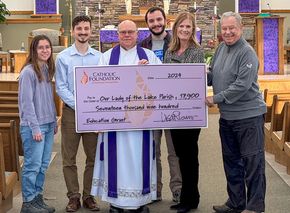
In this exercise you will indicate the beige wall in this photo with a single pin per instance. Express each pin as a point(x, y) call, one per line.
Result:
point(19, 4)
point(275, 4)
point(14, 34)
point(226, 5)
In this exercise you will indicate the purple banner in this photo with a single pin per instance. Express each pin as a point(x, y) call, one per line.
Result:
point(46, 7)
point(140, 97)
point(111, 35)
point(249, 6)
point(271, 43)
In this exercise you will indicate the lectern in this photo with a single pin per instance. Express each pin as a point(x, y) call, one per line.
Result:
point(269, 44)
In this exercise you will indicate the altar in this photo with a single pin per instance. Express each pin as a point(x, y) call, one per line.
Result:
point(110, 36)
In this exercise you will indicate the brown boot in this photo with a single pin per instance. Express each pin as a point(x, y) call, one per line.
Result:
point(91, 204)
point(73, 205)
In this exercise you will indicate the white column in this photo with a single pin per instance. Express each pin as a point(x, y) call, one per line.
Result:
point(236, 6)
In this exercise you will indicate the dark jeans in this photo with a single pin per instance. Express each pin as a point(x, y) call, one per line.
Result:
point(244, 162)
point(185, 143)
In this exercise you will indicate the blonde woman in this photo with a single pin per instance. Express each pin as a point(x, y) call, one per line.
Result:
point(184, 48)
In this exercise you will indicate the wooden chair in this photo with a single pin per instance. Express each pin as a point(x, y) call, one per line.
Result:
point(287, 138)
point(268, 98)
point(10, 146)
point(276, 125)
point(4, 56)
point(59, 42)
point(7, 179)
point(280, 137)
point(5, 117)
point(287, 152)
point(8, 100)
point(4, 93)
point(10, 89)
point(9, 108)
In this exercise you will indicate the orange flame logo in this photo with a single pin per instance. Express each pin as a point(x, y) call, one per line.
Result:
point(85, 78)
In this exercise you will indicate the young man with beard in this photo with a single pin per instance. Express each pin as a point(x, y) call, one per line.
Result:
point(79, 54)
point(158, 42)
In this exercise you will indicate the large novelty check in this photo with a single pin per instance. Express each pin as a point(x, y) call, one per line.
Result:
point(140, 97)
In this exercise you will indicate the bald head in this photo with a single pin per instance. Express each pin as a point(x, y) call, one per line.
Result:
point(127, 31)
point(127, 23)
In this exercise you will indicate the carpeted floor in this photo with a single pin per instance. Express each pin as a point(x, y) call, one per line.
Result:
point(212, 179)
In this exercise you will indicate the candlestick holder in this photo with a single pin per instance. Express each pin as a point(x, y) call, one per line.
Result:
point(99, 12)
point(215, 19)
point(128, 4)
point(70, 9)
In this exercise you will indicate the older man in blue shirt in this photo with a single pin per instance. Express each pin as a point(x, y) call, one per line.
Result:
point(79, 54)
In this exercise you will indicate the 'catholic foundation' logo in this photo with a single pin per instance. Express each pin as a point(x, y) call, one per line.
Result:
point(100, 77)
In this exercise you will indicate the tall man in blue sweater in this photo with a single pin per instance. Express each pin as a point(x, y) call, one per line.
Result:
point(233, 75)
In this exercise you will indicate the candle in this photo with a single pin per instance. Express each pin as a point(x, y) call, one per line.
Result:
point(214, 10)
point(99, 6)
point(194, 5)
point(87, 11)
point(166, 6)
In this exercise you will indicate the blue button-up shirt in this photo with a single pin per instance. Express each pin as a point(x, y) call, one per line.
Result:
point(64, 76)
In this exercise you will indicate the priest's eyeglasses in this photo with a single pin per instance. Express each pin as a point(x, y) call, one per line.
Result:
point(129, 32)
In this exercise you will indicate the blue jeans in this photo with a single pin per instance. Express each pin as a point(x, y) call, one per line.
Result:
point(244, 162)
point(36, 160)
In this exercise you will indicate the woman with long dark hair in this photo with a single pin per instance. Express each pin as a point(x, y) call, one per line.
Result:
point(37, 122)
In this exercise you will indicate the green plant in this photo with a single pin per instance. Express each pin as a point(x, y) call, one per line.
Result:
point(3, 12)
point(208, 57)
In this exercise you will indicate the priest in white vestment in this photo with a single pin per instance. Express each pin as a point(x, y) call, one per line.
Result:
point(128, 186)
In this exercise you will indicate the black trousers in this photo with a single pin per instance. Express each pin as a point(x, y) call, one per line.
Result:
point(185, 143)
point(244, 162)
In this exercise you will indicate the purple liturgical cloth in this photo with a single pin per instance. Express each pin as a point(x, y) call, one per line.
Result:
point(249, 6)
point(46, 7)
point(115, 55)
point(111, 35)
point(112, 164)
point(146, 160)
point(112, 142)
point(271, 52)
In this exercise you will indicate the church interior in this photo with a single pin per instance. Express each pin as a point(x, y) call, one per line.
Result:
point(266, 27)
